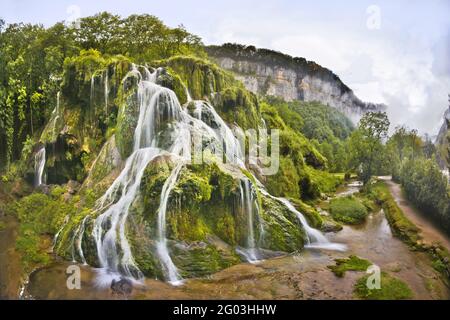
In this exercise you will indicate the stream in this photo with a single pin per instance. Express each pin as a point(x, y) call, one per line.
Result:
point(303, 275)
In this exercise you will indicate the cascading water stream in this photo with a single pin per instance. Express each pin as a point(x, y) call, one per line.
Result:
point(169, 267)
point(316, 239)
point(106, 91)
point(113, 249)
point(39, 165)
point(159, 109)
point(249, 208)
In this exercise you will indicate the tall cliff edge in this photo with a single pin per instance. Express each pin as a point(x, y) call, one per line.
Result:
point(269, 72)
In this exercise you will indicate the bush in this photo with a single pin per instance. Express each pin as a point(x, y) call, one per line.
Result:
point(348, 210)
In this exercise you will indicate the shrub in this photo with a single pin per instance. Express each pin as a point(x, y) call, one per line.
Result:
point(348, 210)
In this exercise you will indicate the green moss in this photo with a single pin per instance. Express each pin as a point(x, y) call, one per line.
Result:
point(2, 226)
point(206, 80)
point(282, 229)
point(40, 218)
point(391, 288)
point(348, 210)
point(126, 120)
point(311, 214)
point(401, 226)
point(326, 182)
point(352, 263)
point(203, 259)
point(31, 247)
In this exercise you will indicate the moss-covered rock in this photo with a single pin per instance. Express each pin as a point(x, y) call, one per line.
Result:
point(207, 81)
point(352, 263)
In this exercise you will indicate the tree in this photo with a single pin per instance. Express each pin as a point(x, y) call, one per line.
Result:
point(366, 144)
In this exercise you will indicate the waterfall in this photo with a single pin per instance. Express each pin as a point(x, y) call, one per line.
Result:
point(230, 144)
point(161, 112)
point(169, 267)
point(316, 239)
point(39, 164)
point(106, 92)
point(188, 94)
point(156, 105)
point(55, 113)
point(248, 203)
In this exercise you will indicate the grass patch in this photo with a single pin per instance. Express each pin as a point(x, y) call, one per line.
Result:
point(2, 226)
point(401, 226)
point(348, 210)
point(352, 263)
point(391, 289)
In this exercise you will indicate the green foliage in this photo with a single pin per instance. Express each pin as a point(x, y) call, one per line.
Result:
point(352, 263)
point(296, 177)
point(206, 80)
point(401, 226)
point(348, 210)
point(325, 126)
point(32, 63)
point(427, 188)
point(391, 288)
point(366, 148)
point(40, 217)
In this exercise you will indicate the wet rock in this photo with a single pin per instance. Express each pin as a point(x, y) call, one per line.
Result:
point(43, 188)
point(122, 286)
point(72, 187)
point(330, 226)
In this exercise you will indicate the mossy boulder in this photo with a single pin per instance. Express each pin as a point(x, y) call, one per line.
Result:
point(352, 263)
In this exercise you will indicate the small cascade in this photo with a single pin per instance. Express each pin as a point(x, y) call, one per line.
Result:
point(55, 114)
point(39, 165)
point(188, 94)
point(105, 80)
point(169, 268)
point(316, 239)
point(250, 208)
point(230, 144)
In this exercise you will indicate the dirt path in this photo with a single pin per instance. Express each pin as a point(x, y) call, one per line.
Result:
point(429, 232)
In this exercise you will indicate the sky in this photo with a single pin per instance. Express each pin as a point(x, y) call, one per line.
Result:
point(392, 52)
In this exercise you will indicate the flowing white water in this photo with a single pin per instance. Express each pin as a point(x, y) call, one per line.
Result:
point(106, 92)
point(230, 144)
point(39, 165)
point(169, 267)
point(316, 239)
point(249, 207)
point(160, 114)
point(158, 106)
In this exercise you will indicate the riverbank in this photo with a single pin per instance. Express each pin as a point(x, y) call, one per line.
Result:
point(10, 267)
point(428, 232)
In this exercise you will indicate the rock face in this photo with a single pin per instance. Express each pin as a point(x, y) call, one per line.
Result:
point(268, 72)
point(443, 142)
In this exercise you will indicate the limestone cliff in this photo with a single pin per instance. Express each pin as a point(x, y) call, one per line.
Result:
point(272, 73)
point(443, 142)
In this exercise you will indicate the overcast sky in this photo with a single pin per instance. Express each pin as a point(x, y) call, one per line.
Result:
point(395, 52)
